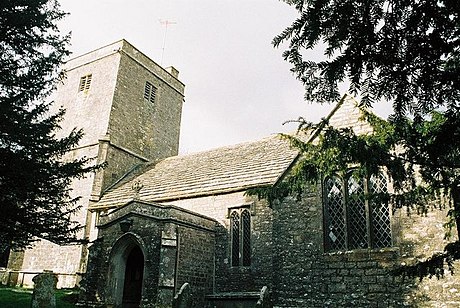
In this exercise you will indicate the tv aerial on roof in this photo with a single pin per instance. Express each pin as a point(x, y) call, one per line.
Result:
point(165, 23)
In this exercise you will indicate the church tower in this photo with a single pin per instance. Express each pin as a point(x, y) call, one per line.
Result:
point(130, 109)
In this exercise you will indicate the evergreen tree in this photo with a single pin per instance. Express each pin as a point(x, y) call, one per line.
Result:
point(405, 52)
point(35, 176)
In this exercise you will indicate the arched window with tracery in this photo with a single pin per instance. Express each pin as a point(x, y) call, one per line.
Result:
point(235, 237)
point(246, 237)
point(240, 237)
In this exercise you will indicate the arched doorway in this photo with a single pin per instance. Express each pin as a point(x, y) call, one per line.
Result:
point(132, 287)
point(126, 272)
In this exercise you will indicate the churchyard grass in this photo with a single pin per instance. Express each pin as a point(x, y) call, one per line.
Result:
point(21, 298)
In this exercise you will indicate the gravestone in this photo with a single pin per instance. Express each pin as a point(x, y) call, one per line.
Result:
point(183, 298)
point(44, 295)
point(264, 299)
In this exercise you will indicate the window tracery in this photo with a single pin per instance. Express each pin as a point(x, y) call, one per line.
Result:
point(240, 237)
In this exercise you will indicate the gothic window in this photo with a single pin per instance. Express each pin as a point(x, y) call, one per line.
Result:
point(352, 220)
point(246, 238)
point(235, 237)
point(85, 83)
point(240, 236)
point(150, 92)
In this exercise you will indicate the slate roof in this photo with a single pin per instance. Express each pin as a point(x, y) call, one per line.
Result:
point(222, 170)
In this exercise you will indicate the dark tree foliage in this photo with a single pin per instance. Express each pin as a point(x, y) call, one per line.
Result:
point(405, 52)
point(35, 198)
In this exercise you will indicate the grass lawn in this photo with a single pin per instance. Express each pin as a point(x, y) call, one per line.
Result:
point(22, 298)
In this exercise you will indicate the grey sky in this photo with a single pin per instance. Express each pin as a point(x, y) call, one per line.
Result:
point(238, 87)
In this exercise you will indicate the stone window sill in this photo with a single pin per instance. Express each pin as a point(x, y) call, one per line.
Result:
point(389, 253)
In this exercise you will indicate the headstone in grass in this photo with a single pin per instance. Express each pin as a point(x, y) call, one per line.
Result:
point(44, 295)
point(183, 298)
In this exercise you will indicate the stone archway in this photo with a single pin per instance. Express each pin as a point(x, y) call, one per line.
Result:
point(126, 272)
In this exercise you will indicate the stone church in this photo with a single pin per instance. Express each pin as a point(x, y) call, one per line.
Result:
point(156, 221)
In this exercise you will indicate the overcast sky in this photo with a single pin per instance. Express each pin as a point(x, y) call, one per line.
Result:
point(237, 86)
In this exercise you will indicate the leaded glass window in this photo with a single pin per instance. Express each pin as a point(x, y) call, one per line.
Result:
point(356, 212)
point(235, 238)
point(381, 227)
point(246, 235)
point(240, 233)
point(335, 213)
point(354, 215)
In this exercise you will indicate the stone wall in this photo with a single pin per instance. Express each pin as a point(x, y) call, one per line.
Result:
point(252, 278)
point(306, 276)
point(227, 277)
point(119, 161)
point(196, 263)
point(89, 109)
point(150, 128)
point(419, 236)
point(346, 114)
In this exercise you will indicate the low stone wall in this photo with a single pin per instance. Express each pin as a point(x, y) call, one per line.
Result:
point(25, 278)
point(241, 299)
point(233, 299)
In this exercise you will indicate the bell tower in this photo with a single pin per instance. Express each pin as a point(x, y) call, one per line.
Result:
point(129, 108)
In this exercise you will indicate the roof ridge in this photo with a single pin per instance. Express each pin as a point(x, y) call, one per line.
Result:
point(236, 145)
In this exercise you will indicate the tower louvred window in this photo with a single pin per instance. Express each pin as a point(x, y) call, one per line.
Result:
point(150, 92)
point(85, 83)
